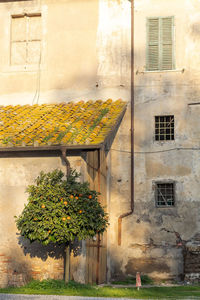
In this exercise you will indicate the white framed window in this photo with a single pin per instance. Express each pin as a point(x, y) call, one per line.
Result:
point(26, 38)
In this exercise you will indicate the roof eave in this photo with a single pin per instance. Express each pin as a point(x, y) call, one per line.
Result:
point(109, 138)
point(49, 148)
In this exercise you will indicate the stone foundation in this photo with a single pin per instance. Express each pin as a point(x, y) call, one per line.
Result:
point(19, 273)
point(192, 263)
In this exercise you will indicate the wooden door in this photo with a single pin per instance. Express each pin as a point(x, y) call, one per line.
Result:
point(96, 250)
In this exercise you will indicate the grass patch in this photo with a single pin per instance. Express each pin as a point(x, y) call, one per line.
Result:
point(58, 287)
point(132, 280)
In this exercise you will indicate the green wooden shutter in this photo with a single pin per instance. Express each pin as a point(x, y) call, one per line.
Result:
point(160, 44)
point(166, 54)
point(153, 44)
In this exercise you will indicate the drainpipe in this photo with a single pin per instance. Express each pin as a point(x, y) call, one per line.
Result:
point(132, 130)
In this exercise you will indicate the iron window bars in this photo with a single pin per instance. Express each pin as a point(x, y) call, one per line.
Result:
point(165, 194)
point(164, 128)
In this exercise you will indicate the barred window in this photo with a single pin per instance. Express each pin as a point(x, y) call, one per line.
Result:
point(164, 128)
point(164, 194)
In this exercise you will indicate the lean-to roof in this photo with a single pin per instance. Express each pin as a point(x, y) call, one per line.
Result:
point(65, 124)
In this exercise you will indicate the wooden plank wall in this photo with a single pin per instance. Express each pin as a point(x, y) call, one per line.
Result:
point(96, 262)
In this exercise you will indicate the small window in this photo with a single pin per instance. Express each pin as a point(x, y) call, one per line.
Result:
point(160, 44)
point(164, 128)
point(26, 34)
point(164, 194)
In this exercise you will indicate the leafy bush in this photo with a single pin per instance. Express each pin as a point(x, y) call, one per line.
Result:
point(60, 210)
point(145, 279)
point(55, 285)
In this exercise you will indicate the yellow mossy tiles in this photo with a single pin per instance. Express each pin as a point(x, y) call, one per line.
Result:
point(80, 123)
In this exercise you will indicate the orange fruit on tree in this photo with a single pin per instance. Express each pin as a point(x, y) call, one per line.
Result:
point(35, 219)
point(80, 195)
point(49, 231)
point(76, 198)
point(80, 211)
point(71, 196)
point(61, 199)
point(43, 206)
point(63, 218)
point(90, 196)
point(65, 202)
point(68, 218)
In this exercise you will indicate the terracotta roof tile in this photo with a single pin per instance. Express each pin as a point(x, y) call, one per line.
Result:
point(80, 123)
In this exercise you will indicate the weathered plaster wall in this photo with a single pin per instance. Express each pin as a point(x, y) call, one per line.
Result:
point(63, 66)
point(20, 260)
point(76, 60)
point(149, 242)
point(69, 67)
point(90, 58)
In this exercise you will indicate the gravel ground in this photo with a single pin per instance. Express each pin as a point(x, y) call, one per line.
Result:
point(48, 297)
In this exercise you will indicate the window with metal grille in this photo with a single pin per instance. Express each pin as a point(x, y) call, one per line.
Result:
point(165, 194)
point(160, 44)
point(26, 35)
point(164, 128)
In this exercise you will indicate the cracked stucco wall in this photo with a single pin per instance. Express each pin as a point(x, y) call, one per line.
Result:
point(21, 261)
point(89, 58)
point(149, 241)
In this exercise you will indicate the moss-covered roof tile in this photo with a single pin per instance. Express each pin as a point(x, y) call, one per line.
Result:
point(79, 123)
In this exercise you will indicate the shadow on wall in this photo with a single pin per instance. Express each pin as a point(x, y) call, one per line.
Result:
point(38, 250)
point(56, 251)
point(34, 268)
point(157, 268)
point(14, 270)
point(33, 260)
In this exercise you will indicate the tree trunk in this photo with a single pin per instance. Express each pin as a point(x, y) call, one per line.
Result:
point(67, 263)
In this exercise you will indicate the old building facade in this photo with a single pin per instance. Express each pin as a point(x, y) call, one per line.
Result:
point(58, 51)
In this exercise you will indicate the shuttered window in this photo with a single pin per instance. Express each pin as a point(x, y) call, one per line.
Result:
point(160, 43)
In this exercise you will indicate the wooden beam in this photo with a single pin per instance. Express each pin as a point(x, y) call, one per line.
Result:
point(49, 148)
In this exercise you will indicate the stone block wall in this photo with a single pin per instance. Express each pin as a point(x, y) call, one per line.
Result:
point(192, 263)
point(15, 273)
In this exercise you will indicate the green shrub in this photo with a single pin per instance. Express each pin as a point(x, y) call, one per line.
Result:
point(145, 279)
